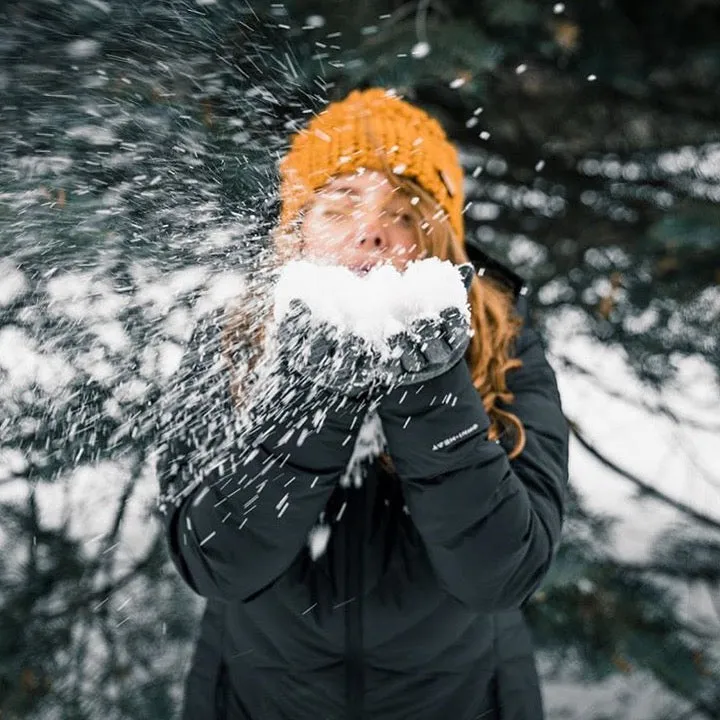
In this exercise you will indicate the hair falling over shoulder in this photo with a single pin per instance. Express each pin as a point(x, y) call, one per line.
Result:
point(493, 318)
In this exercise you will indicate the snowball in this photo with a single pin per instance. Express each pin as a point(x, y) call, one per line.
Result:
point(375, 306)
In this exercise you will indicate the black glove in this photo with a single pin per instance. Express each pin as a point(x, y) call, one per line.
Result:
point(430, 346)
point(322, 354)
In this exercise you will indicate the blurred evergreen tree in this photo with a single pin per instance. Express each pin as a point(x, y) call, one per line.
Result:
point(137, 152)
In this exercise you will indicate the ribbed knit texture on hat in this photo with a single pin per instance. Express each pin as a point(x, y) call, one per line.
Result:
point(373, 129)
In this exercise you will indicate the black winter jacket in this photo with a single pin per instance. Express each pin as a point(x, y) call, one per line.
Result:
point(415, 608)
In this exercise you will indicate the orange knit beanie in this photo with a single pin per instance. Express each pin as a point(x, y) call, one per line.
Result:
point(377, 130)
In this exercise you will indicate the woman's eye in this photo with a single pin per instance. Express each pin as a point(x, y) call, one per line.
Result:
point(404, 217)
point(333, 213)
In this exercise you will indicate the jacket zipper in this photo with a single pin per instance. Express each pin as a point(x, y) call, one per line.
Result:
point(220, 692)
point(354, 670)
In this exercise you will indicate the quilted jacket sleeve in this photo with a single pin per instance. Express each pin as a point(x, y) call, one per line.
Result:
point(491, 525)
point(237, 509)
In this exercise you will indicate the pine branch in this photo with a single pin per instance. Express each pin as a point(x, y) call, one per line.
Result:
point(647, 489)
point(715, 600)
point(661, 407)
point(83, 601)
point(711, 575)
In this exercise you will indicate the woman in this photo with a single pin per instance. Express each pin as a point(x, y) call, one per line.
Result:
point(411, 606)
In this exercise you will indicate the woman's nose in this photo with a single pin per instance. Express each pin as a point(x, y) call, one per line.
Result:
point(373, 238)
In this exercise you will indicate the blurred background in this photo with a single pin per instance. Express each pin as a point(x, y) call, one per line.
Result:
point(138, 143)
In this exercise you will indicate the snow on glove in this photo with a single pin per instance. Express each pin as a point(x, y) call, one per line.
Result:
point(321, 353)
point(430, 346)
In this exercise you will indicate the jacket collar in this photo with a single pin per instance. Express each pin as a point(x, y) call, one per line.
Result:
point(486, 265)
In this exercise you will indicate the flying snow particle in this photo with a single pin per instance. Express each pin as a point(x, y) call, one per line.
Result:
point(315, 21)
point(93, 134)
point(369, 444)
point(100, 5)
point(318, 540)
point(13, 284)
point(83, 48)
point(420, 50)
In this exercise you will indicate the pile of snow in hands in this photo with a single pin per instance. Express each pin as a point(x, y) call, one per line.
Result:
point(374, 306)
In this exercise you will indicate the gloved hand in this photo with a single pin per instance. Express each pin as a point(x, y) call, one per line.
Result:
point(430, 346)
point(323, 355)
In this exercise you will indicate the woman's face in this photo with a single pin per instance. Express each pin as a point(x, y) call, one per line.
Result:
point(359, 221)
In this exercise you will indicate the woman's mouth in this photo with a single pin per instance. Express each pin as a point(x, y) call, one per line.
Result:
point(363, 269)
